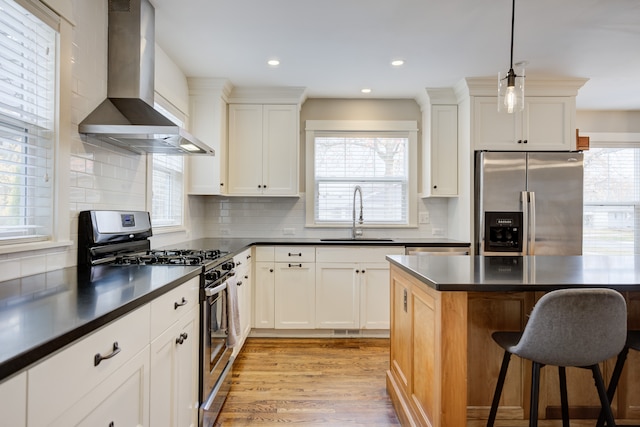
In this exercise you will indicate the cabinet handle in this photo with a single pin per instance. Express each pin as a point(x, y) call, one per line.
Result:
point(404, 297)
point(179, 304)
point(238, 263)
point(248, 256)
point(99, 358)
point(183, 336)
point(239, 283)
point(112, 424)
point(294, 254)
point(295, 265)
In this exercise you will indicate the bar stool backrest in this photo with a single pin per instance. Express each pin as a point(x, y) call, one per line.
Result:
point(575, 327)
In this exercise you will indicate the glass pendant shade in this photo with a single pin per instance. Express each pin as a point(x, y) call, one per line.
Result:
point(511, 91)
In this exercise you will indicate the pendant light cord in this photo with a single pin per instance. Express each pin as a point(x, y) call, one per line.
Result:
point(513, 20)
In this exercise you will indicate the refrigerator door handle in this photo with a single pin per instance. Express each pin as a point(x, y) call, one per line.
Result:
point(532, 223)
point(525, 222)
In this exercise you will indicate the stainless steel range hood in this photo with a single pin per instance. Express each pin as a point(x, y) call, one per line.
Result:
point(127, 118)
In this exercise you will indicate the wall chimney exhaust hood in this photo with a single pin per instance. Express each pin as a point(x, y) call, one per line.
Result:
point(127, 118)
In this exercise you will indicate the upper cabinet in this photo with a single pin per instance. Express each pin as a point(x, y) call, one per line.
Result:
point(264, 135)
point(440, 144)
point(208, 114)
point(547, 123)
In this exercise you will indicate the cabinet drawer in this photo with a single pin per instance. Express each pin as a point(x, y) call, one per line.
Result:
point(295, 253)
point(265, 253)
point(74, 371)
point(168, 308)
point(357, 254)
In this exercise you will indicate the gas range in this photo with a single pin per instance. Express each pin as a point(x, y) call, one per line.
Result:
point(122, 238)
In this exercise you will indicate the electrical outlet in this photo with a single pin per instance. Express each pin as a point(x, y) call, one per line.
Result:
point(288, 231)
point(424, 218)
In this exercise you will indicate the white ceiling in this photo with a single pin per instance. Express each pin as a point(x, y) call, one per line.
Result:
point(336, 47)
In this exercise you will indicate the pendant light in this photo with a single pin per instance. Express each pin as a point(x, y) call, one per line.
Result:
point(511, 86)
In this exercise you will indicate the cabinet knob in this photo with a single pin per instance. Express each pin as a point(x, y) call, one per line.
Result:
point(357, 271)
point(259, 186)
point(271, 270)
point(222, 184)
point(363, 271)
point(525, 141)
point(519, 141)
point(435, 186)
point(183, 336)
point(239, 283)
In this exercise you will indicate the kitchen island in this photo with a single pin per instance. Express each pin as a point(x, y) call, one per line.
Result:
point(444, 364)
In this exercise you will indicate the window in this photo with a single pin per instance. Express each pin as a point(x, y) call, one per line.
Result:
point(28, 73)
point(377, 156)
point(612, 200)
point(167, 184)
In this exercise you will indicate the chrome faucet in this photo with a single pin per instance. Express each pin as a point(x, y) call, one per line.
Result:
point(357, 232)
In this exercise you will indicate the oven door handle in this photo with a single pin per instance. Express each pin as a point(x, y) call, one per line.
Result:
point(215, 289)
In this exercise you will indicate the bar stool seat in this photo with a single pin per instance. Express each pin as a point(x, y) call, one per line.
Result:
point(633, 343)
point(566, 328)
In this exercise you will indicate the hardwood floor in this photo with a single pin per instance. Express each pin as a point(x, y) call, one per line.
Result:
point(311, 382)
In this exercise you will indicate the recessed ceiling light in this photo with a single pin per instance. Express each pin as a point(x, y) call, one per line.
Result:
point(365, 90)
point(273, 62)
point(397, 62)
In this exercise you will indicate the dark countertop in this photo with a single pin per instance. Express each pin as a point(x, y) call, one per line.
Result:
point(42, 313)
point(528, 273)
point(238, 244)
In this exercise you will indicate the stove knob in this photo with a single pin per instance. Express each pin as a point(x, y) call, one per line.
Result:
point(212, 275)
point(229, 265)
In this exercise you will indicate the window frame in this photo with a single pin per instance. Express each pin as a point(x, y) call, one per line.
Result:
point(615, 140)
point(56, 235)
point(404, 128)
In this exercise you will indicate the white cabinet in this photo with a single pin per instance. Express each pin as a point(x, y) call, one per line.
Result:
point(264, 280)
point(244, 288)
point(13, 400)
point(295, 296)
point(174, 374)
point(546, 124)
point(122, 399)
point(337, 295)
point(208, 120)
point(352, 287)
point(108, 366)
point(263, 150)
point(440, 145)
point(174, 356)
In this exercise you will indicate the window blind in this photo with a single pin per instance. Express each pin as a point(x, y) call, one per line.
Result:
point(27, 113)
point(376, 162)
point(611, 201)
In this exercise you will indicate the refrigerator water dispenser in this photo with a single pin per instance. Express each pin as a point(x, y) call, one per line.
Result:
point(503, 232)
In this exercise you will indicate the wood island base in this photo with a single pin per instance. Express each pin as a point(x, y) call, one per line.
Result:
point(444, 364)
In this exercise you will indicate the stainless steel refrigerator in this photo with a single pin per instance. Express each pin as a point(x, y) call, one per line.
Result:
point(528, 203)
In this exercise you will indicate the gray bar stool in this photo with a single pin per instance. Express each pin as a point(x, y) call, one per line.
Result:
point(567, 327)
point(633, 342)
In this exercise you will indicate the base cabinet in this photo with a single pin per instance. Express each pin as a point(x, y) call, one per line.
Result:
point(123, 399)
point(13, 401)
point(245, 300)
point(174, 379)
point(295, 295)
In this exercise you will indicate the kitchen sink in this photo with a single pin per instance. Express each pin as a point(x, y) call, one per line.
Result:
point(358, 240)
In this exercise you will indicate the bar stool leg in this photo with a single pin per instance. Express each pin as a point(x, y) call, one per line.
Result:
point(535, 390)
point(615, 378)
point(562, 374)
point(499, 386)
point(602, 393)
